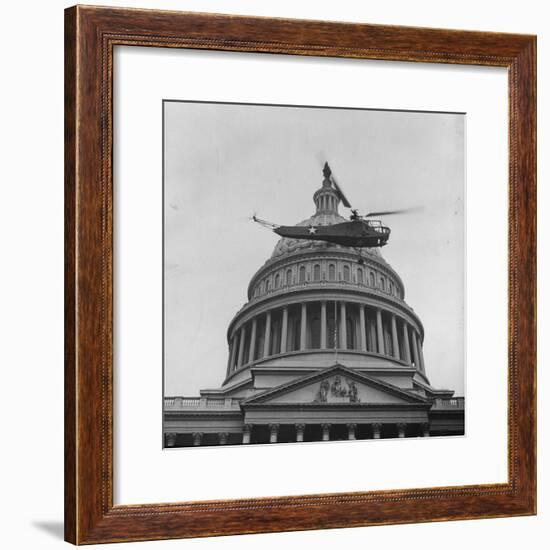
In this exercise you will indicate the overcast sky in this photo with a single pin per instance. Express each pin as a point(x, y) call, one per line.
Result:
point(225, 162)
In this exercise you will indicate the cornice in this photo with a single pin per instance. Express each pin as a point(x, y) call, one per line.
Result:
point(346, 406)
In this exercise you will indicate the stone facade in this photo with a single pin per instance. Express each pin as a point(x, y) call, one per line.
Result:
point(325, 348)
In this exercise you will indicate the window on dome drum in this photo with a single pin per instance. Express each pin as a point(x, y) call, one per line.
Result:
point(331, 272)
point(316, 272)
point(372, 279)
point(237, 345)
point(294, 325)
point(350, 332)
point(302, 274)
point(277, 280)
point(275, 339)
point(388, 342)
point(289, 277)
point(411, 345)
point(359, 276)
point(313, 326)
point(346, 273)
point(260, 338)
point(267, 285)
point(248, 334)
point(372, 334)
point(400, 325)
point(382, 283)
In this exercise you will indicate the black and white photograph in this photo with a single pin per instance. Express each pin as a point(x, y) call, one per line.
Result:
point(313, 272)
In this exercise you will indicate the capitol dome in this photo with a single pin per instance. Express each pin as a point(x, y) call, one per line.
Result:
point(313, 302)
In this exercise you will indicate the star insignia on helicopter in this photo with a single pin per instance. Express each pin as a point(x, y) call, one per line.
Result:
point(312, 230)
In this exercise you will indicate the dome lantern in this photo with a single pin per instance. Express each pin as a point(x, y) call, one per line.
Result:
point(326, 198)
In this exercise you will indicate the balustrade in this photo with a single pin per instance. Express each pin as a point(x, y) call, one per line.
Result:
point(177, 403)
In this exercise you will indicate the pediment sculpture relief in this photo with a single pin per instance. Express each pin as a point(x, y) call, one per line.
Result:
point(336, 391)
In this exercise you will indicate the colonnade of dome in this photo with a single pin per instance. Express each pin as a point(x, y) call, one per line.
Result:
point(325, 325)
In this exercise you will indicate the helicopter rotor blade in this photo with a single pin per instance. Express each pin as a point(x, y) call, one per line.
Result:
point(328, 174)
point(343, 198)
point(393, 212)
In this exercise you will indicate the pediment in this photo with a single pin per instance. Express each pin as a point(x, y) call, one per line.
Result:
point(337, 385)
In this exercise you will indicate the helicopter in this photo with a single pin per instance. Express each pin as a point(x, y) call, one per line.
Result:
point(359, 232)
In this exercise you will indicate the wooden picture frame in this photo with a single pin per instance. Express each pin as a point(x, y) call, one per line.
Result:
point(91, 33)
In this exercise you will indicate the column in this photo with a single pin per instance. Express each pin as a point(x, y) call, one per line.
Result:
point(415, 350)
point(401, 429)
point(284, 330)
point(406, 343)
point(267, 337)
point(326, 432)
point(395, 342)
point(380, 332)
point(241, 347)
point(171, 439)
point(223, 437)
point(232, 351)
point(376, 429)
point(273, 432)
point(425, 428)
point(351, 431)
point(343, 327)
point(362, 328)
point(303, 327)
point(247, 431)
point(197, 438)
point(252, 348)
point(421, 355)
point(323, 325)
point(300, 432)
